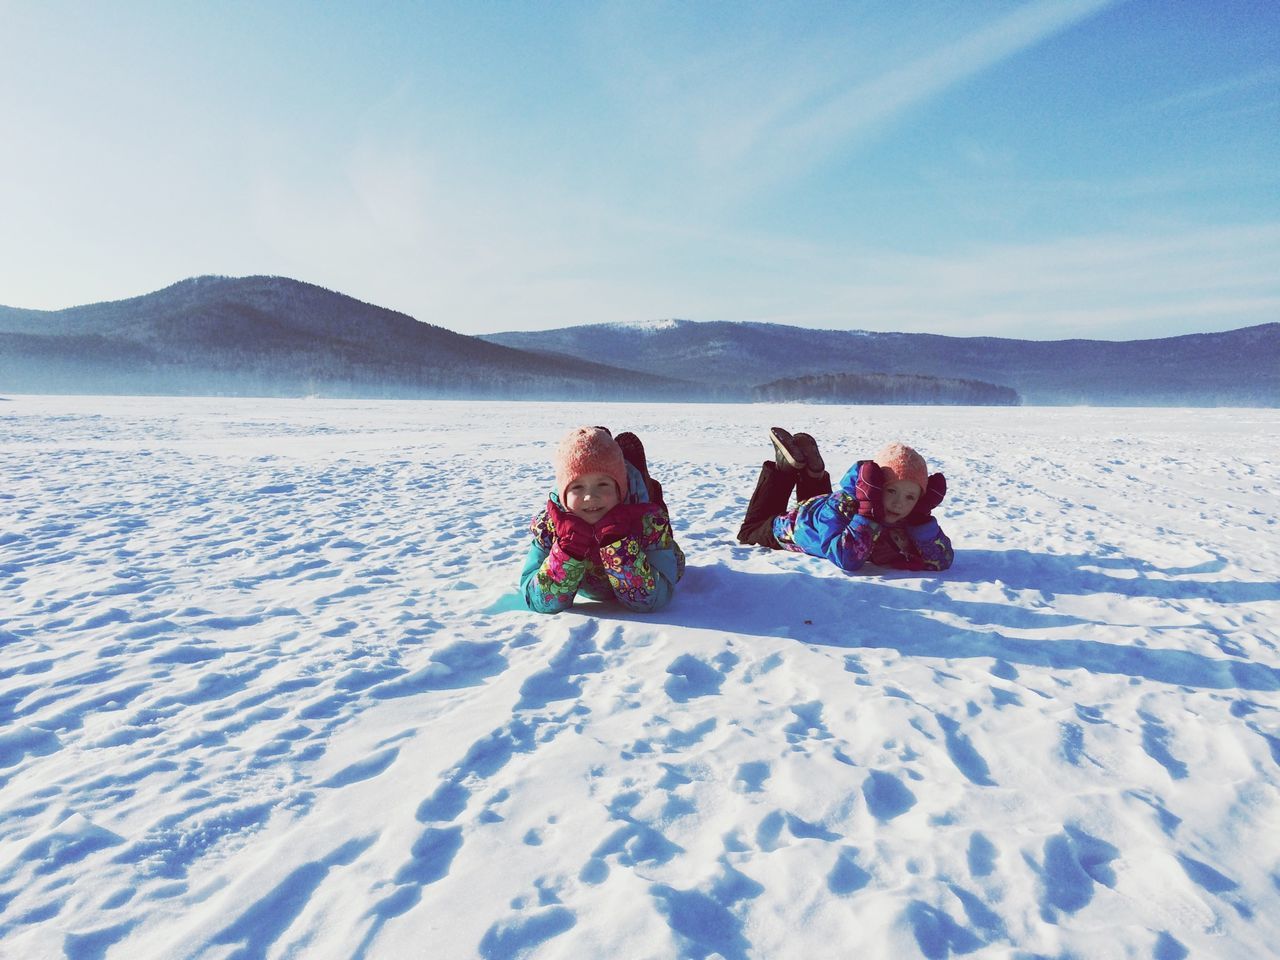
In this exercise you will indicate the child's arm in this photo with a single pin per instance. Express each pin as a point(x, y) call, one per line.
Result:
point(858, 503)
point(853, 547)
point(933, 545)
point(640, 557)
point(550, 577)
point(829, 528)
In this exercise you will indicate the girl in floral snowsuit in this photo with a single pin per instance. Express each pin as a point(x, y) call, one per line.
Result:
point(601, 534)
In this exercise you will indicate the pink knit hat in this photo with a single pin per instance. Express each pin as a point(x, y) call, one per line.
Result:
point(586, 450)
point(900, 462)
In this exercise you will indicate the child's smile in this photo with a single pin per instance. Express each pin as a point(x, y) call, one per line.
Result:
point(591, 496)
point(899, 499)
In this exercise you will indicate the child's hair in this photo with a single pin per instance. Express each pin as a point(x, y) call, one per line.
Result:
point(900, 462)
point(586, 450)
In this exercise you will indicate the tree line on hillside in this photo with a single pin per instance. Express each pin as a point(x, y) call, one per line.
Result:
point(887, 388)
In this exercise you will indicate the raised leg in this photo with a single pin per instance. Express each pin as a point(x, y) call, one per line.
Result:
point(633, 452)
point(808, 486)
point(769, 499)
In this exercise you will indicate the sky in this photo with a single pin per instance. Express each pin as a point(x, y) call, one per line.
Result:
point(1040, 169)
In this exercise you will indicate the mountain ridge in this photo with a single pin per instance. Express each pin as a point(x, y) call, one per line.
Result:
point(276, 336)
point(264, 335)
point(1237, 367)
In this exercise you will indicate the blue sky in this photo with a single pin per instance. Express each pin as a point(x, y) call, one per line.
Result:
point(1039, 169)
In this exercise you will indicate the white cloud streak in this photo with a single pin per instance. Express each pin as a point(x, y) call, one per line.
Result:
point(739, 118)
point(866, 105)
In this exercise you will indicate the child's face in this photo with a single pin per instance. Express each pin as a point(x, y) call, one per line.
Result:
point(591, 496)
point(899, 498)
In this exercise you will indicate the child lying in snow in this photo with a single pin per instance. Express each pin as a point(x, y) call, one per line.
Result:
point(604, 533)
point(882, 513)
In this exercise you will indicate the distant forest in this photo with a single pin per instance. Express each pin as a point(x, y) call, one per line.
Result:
point(888, 388)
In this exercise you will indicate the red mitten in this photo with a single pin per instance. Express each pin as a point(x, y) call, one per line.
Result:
point(932, 495)
point(870, 490)
point(622, 521)
point(576, 537)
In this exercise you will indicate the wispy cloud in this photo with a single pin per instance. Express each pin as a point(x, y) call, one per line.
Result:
point(740, 116)
point(866, 105)
point(1267, 77)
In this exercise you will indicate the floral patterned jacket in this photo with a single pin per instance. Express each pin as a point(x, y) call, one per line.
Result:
point(830, 527)
point(639, 572)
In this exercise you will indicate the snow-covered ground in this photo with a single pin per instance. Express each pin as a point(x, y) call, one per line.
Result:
point(267, 690)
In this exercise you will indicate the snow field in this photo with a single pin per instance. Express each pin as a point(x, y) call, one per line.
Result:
point(267, 690)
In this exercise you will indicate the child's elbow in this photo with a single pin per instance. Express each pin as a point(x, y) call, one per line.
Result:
point(646, 604)
point(942, 559)
point(540, 602)
point(537, 608)
point(650, 601)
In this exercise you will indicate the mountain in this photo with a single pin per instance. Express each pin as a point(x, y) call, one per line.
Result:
point(1237, 367)
point(272, 336)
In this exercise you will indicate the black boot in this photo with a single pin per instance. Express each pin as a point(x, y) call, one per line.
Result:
point(768, 500)
point(633, 453)
point(808, 449)
point(786, 452)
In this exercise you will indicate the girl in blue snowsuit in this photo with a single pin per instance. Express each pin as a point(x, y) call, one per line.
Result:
point(882, 512)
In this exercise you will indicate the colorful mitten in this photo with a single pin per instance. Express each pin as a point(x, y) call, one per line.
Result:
point(576, 537)
point(622, 521)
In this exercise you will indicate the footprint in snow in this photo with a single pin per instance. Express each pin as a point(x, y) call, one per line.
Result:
point(981, 856)
point(1168, 947)
point(751, 776)
point(979, 915)
point(563, 677)
point(461, 664)
point(634, 843)
point(1074, 861)
point(96, 943)
point(484, 758)
point(67, 844)
point(17, 744)
point(702, 923)
point(963, 754)
point(769, 832)
point(521, 934)
point(448, 801)
point(690, 678)
point(886, 796)
point(1155, 743)
point(1209, 879)
point(808, 723)
point(263, 923)
point(431, 856)
point(364, 769)
point(937, 934)
point(682, 739)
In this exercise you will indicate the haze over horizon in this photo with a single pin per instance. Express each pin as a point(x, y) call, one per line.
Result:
point(1040, 170)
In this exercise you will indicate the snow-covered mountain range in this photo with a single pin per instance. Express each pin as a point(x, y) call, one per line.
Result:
point(1237, 367)
point(273, 336)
